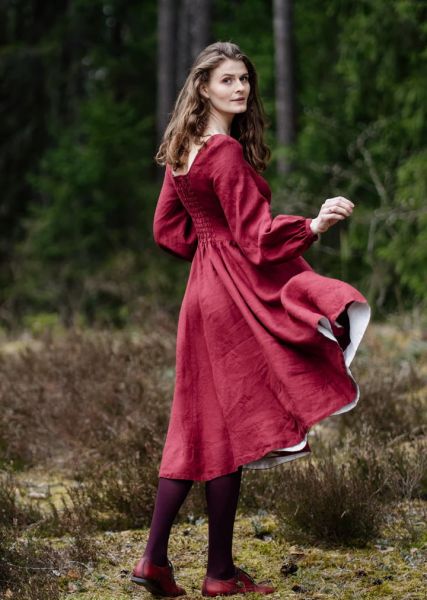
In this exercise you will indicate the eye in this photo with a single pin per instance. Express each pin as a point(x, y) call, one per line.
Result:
point(246, 77)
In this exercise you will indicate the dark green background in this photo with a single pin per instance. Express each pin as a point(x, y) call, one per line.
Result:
point(78, 136)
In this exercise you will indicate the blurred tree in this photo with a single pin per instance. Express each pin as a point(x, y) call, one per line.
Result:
point(363, 102)
point(166, 63)
point(92, 210)
point(86, 183)
point(81, 122)
point(184, 29)
point(286, 117)
point(24, 69)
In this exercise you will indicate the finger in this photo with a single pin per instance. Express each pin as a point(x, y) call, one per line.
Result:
point(335, 217)
point(334, 210)
point(346, 200)
point(338, 200)
point(341, 210)
point(345, 204)
point(340, 207)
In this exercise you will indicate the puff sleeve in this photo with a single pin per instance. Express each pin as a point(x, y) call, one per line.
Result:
point(262, 238)
point(173, 228)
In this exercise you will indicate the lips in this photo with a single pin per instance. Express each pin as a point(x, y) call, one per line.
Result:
point(237, 99)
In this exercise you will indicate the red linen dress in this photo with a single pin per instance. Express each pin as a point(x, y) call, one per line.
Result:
point(260, 357)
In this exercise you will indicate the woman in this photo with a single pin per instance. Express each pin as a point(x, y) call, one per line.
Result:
point(264, 342)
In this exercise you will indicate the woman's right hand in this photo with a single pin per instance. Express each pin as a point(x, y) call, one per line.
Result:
point(331, 211)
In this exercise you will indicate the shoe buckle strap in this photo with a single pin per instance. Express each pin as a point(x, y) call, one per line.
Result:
point(247, 574)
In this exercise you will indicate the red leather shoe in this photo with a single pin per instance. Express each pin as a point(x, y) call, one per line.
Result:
point(241, 583)
point(158, 580)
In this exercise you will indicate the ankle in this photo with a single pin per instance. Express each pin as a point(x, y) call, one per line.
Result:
point(224, 573)
point(158, 560)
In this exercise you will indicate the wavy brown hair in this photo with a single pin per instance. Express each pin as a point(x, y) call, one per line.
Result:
point(191, 112)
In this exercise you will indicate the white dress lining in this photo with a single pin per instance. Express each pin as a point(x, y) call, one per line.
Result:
point(359, 314)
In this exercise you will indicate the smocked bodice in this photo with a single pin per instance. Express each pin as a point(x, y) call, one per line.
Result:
point(204, 209)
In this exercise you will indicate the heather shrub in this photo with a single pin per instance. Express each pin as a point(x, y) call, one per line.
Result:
point(103, 401)
point(121, 481)
point(15, 513)
point(81, 391)
point(72, 515)
point(344, 493)
point(390, 401)
point(407, 467)
point(31, 568)
point(332, 501)
point(28, 568)
point(96, 405)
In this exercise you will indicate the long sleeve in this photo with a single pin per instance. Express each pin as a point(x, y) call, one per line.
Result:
point(261, 238)
point(173, 228)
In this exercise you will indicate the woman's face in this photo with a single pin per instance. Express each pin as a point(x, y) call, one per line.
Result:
point(227, 84)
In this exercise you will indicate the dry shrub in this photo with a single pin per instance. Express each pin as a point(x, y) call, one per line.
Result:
point(82, 390)
point(31, 568)
point(344, 496)
point(28, 568)
point(332, 501)
point(259, 488)
point(398, 467)
point(75, 520)
point(74, 517)
point(120, 483)
point(407, 466)
point(122, 490)
point(15, 514)
point(99, 405)
point(411, 529)
point(390, 402)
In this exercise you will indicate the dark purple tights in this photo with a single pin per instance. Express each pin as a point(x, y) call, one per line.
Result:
point(222, 495)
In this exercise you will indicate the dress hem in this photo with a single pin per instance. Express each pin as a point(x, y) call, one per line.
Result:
point(358, 316)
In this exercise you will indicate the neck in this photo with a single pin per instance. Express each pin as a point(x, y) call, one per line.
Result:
point(219, 123)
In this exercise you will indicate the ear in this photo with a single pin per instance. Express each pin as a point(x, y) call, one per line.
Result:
point(203, 91)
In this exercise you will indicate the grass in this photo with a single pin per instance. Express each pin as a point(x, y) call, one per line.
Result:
point(82, 421)
point(391, 570)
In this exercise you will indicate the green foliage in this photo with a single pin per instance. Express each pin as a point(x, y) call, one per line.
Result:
point(362, 136)
point(79, 179)
point(89, 184)
point(408, 221)
point(92, 207)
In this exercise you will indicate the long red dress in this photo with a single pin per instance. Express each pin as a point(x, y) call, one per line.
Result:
point(260, 357)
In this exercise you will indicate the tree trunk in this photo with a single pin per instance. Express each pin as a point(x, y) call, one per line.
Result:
point(166, 53)
point(182, 52)
point(194, 33)
point(285, 79)
point(183, 31)
point(200, 21)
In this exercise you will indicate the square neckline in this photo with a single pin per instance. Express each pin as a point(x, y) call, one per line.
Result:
point(204, 145)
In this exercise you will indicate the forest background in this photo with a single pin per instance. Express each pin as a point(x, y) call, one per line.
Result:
point(86, 90)
point(89, 303)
